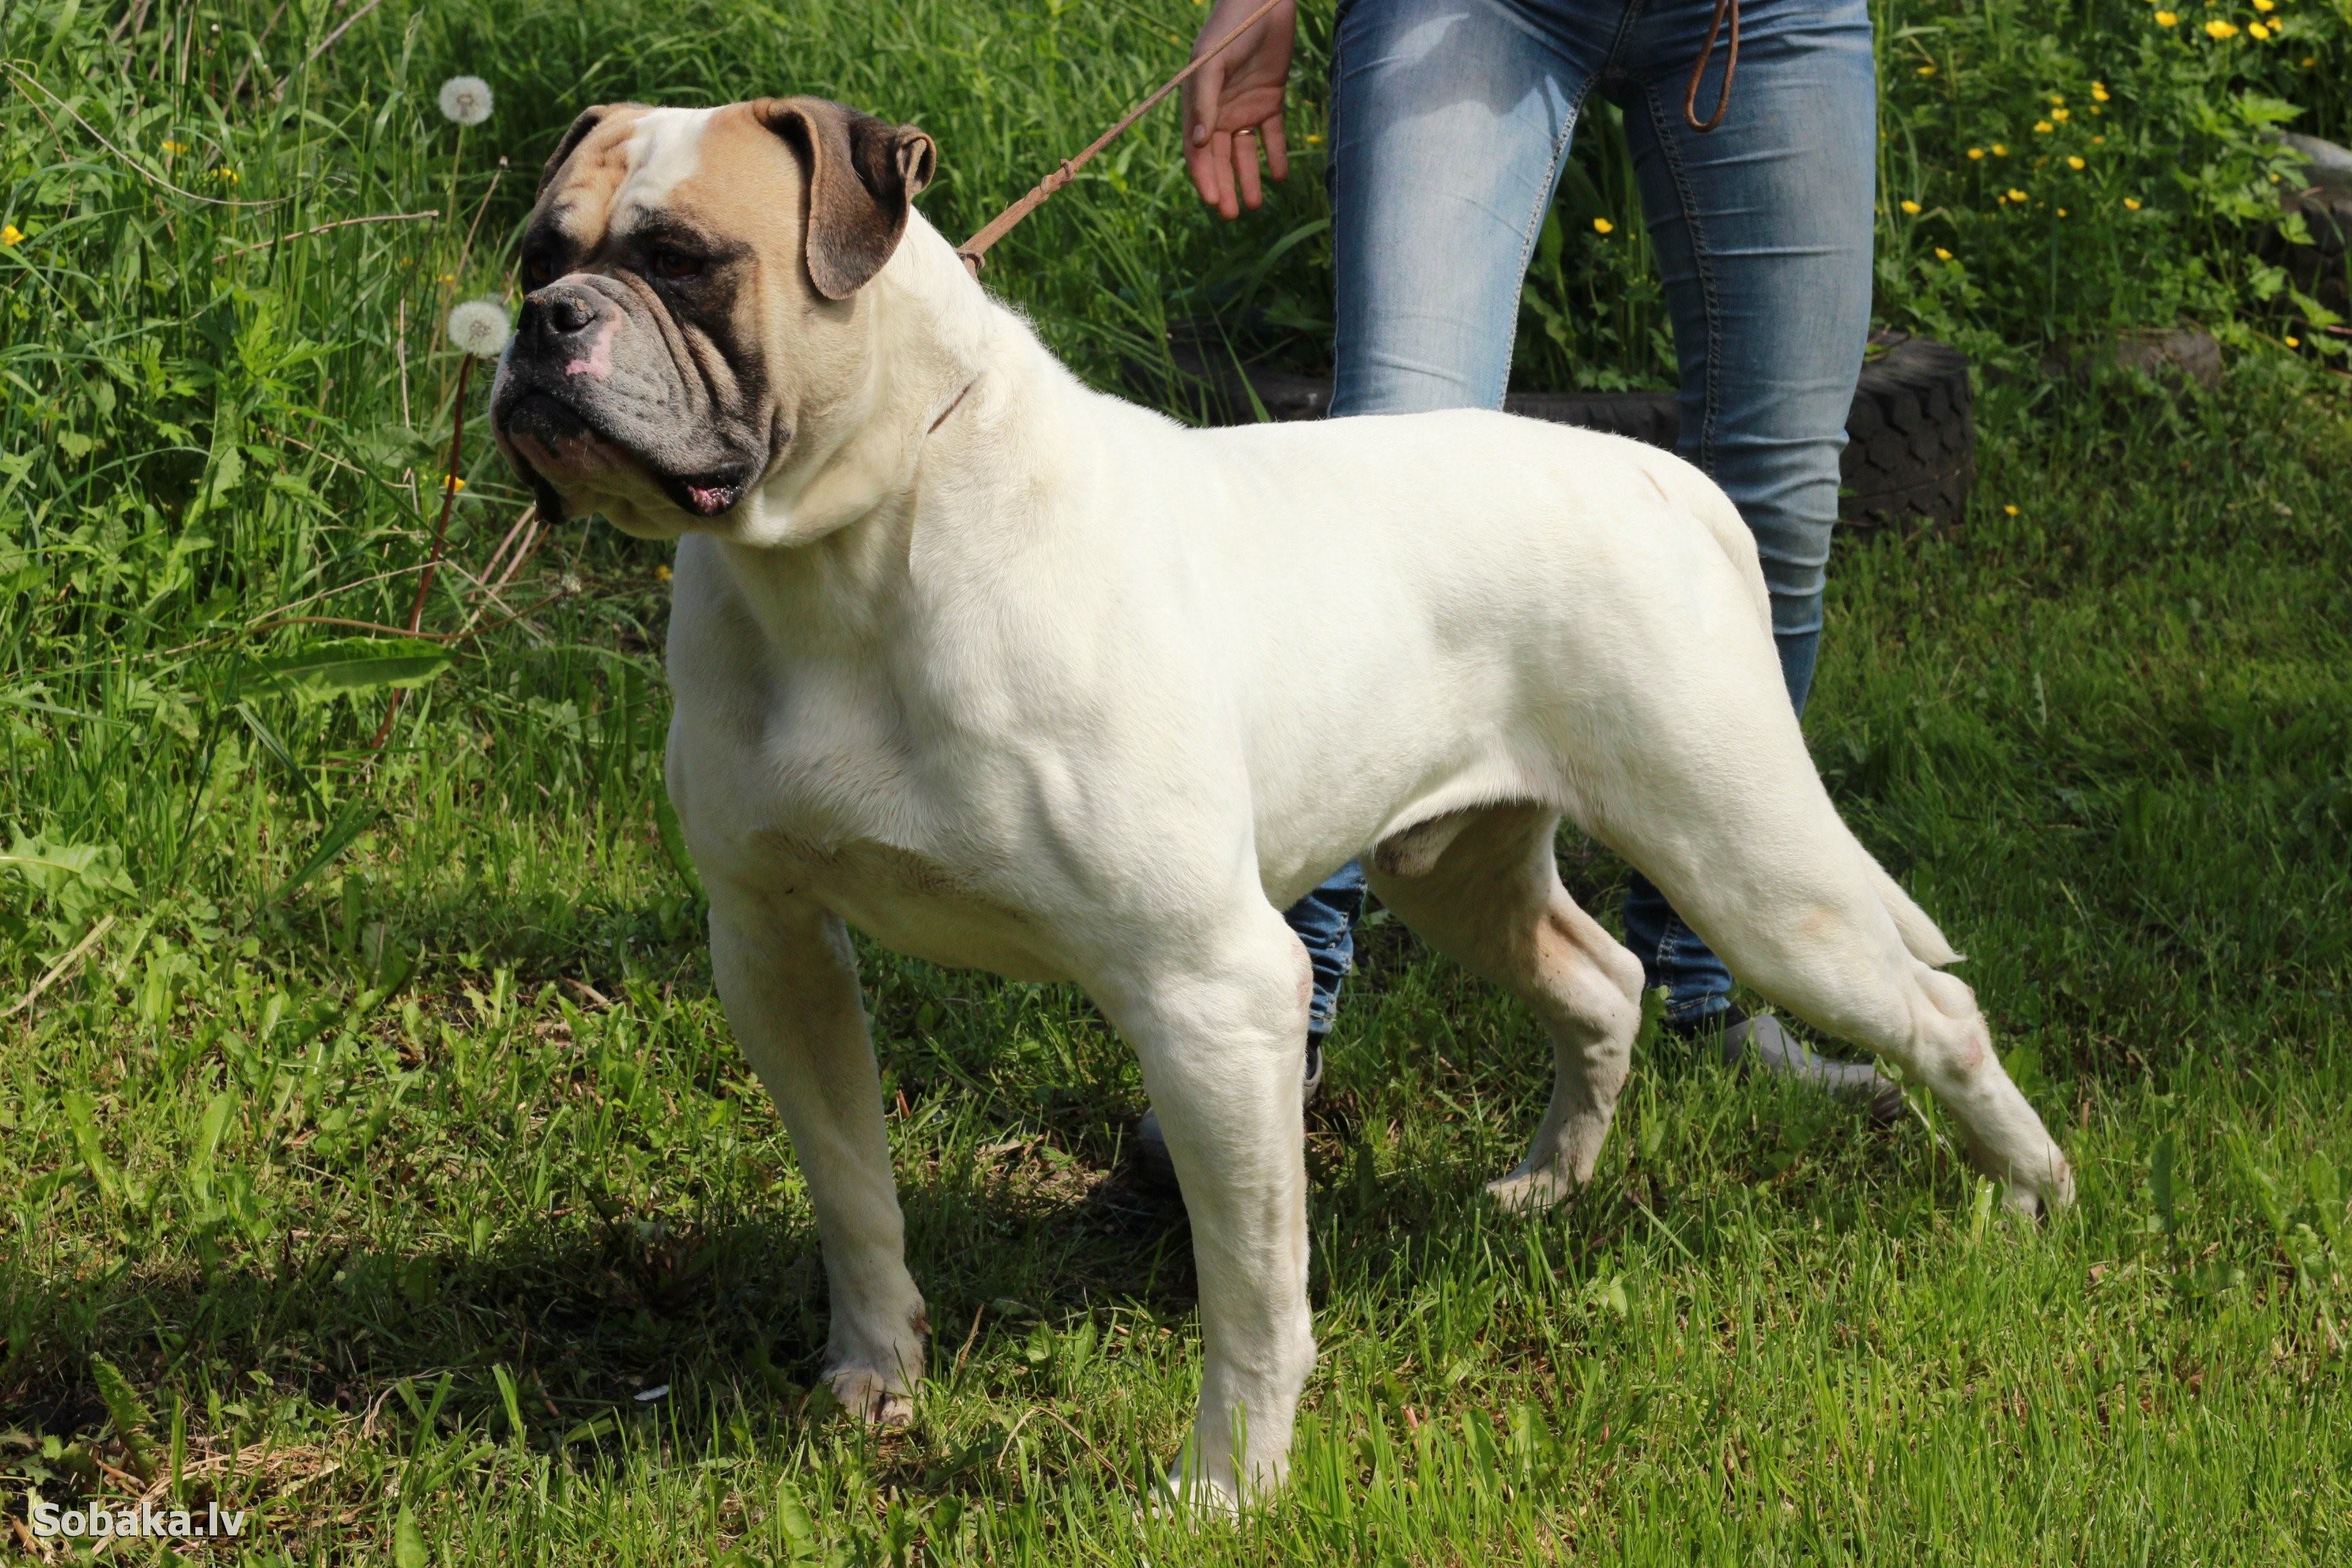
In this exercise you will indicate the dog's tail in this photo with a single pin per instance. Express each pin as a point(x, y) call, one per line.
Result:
point(1687, 488)
point(1928, 944)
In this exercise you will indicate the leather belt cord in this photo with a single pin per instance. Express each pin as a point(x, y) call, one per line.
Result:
point(1698, 71)
point(975, 249)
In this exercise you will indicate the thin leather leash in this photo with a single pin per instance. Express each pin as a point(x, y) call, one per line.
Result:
point(975, 249)
point(1706, 55)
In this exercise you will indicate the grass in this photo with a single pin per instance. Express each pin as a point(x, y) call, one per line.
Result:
point(387, 1153)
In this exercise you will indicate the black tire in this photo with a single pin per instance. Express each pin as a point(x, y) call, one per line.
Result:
point(1911, 448)
point(1911, 437)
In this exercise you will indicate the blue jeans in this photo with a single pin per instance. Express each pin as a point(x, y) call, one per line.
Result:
point(1449, 122)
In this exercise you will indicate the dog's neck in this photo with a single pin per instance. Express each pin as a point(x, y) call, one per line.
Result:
point(825, 542)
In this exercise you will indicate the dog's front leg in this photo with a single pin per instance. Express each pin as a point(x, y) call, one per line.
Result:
point(789, 980)
point(1220, 1025)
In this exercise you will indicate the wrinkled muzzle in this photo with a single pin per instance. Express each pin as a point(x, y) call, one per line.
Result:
point(599, 400)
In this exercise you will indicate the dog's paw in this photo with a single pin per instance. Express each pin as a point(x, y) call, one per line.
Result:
point(870, 1395)
point(1186, 1496)
point(1532, 1188)
point(2053, 1195)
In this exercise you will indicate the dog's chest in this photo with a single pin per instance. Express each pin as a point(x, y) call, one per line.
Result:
point(828, 797)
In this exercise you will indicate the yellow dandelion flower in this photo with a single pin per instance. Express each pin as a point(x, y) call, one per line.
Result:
point(2098, 141)
point(2131, 204)
point(2043, 127)
point(173, 149)
point(1315, 139)
point(2265, 6)
point(2309, 61)
point(1927, 70)
point(2016, 195)
point(1911, 207)
point(455, 484)
point(2061, 115)
point(1942, 255)
point(2011, 509)
point(2217, 29)
point(1975, 154)
point(2099, 92)
point(225, 176)
point(2293, 342)
point(1602, 226)
point(1999, 150)
point(661, 572)
point(2061, 212)
point(2168, 19)
point(2074, 162)
point(2257, 32)
point(11, 234)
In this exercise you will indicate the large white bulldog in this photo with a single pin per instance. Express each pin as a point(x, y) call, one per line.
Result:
point(1011, 674)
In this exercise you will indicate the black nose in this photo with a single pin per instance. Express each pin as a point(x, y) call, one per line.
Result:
point(561, 311)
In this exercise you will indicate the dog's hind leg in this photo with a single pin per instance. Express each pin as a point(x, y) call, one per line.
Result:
point(789, 980)
point(1483, 888)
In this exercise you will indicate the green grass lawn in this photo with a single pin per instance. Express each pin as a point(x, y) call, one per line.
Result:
point(385, 1167)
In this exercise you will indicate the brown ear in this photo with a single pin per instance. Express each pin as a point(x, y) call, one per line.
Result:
point(589, 120)
point(862, 173)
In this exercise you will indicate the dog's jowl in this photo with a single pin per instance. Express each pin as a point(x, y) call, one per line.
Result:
point(1008, 673)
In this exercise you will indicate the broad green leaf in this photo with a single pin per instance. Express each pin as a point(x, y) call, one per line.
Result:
point(350, 667)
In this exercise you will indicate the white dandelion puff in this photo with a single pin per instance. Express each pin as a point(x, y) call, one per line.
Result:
point(480, 328)
point(466, 100)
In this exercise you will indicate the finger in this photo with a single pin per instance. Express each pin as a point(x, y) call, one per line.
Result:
point(1245, 169)
point(1221, 161)
point(1196, 146)
point(1278, 149)
point(1208, 93)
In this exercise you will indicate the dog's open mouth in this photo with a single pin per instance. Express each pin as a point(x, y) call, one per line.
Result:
point(705, 495)
point(560, 444)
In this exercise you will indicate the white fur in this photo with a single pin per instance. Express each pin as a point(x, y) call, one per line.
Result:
point(664, 150)
point(1064, 691)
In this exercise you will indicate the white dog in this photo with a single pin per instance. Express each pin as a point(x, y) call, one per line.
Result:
point(1008, 673)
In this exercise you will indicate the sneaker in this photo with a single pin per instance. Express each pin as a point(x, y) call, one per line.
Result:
point(1149, 1154)
point(1763, 1044)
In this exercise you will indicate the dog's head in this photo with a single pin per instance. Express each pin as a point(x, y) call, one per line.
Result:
point(694, 280)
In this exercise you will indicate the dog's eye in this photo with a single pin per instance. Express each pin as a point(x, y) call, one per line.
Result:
point(668, 261)
point(538, 271)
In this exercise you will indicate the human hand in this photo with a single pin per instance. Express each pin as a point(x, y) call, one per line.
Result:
point(1234, 103)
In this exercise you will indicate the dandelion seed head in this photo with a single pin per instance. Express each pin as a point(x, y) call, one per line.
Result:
point(480, 328)
point(466, 100)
